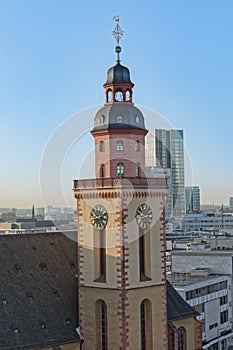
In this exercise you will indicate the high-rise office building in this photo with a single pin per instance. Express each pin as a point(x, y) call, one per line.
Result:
point(165, 149)
point(231, 202)
point(192, 199)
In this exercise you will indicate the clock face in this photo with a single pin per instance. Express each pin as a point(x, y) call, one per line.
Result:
point(144, 215)
point(118, 96)
point(99, 217)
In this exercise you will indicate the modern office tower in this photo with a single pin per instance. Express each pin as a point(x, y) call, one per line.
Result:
point(192, 199)
point(165, 149)
point(231, 202)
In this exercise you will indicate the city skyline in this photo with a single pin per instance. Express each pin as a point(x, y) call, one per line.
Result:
point(54, 61)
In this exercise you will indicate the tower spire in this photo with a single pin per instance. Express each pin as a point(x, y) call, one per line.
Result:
point(117, 33)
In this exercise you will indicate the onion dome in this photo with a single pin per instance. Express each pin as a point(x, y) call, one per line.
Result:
point(118, 74)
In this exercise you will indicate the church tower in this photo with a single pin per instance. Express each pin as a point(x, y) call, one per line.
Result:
point(121, 238)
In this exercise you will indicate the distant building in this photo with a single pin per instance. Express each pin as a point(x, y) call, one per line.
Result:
point(210, 296)
point(231, 203)
point(192, 199)
point(207, 222)
point(165, 149)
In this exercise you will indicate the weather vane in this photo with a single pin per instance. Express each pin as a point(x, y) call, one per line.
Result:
point(117, 33)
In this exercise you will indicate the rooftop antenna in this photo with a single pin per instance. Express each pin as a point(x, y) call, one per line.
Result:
point(117, 33)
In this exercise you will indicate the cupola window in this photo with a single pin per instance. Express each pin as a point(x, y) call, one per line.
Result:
point(120, 169)
point(118, 96)
point(102, 146)
point(119, 119)
point(137, 146)
point(102, 118)
point(120, 146)
point(109, 96)
point(137, 119)
point(127, 96)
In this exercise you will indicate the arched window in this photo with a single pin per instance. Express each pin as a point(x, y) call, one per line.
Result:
point(127, 96)
point(137, 146)
point(181, 338)
point(120, 169)
point(120, 145)
point(118, 96)
point(109, 97)
point(102, 170)
point(102, 146)
point(102, 119)
point(138, 170)
point(137, 119)
point(146, 325)
point(101, 325)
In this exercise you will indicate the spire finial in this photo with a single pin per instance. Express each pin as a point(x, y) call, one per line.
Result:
point(117, 33)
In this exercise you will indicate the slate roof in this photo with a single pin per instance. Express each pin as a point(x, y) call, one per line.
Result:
point(38, 291)
point(177, 307)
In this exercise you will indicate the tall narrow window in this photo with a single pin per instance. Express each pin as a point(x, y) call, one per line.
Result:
point(102, 170)
point(101, 325)
point(102, 119)
point(142, 256)
point(120, 169)
point(137, 146)
point(181, 338)
point(100, 255)
point(143, 326)
point(120, 146)
point(137, 170)
point(127, 96)
point(102, 146)
point(146, 325)
point(109, 96)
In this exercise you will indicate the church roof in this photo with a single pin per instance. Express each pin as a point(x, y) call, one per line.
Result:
point(38, 291)
point(177, 307)
point(119, 116)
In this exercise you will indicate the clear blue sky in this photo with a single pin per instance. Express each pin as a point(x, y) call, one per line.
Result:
point(53, 62)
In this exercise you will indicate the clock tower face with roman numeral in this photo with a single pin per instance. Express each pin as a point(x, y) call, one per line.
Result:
point(99, 217)
point(144, 216)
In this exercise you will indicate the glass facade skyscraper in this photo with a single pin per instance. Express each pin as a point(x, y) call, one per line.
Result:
point(192, 199)
point(165, 149)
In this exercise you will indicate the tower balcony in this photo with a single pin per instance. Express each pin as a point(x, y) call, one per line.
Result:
point(120, 182)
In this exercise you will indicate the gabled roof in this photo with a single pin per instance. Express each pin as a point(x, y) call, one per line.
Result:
point(177, 307)
point(38, 290)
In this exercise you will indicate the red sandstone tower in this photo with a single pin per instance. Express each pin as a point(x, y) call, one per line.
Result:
point(121, 243)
